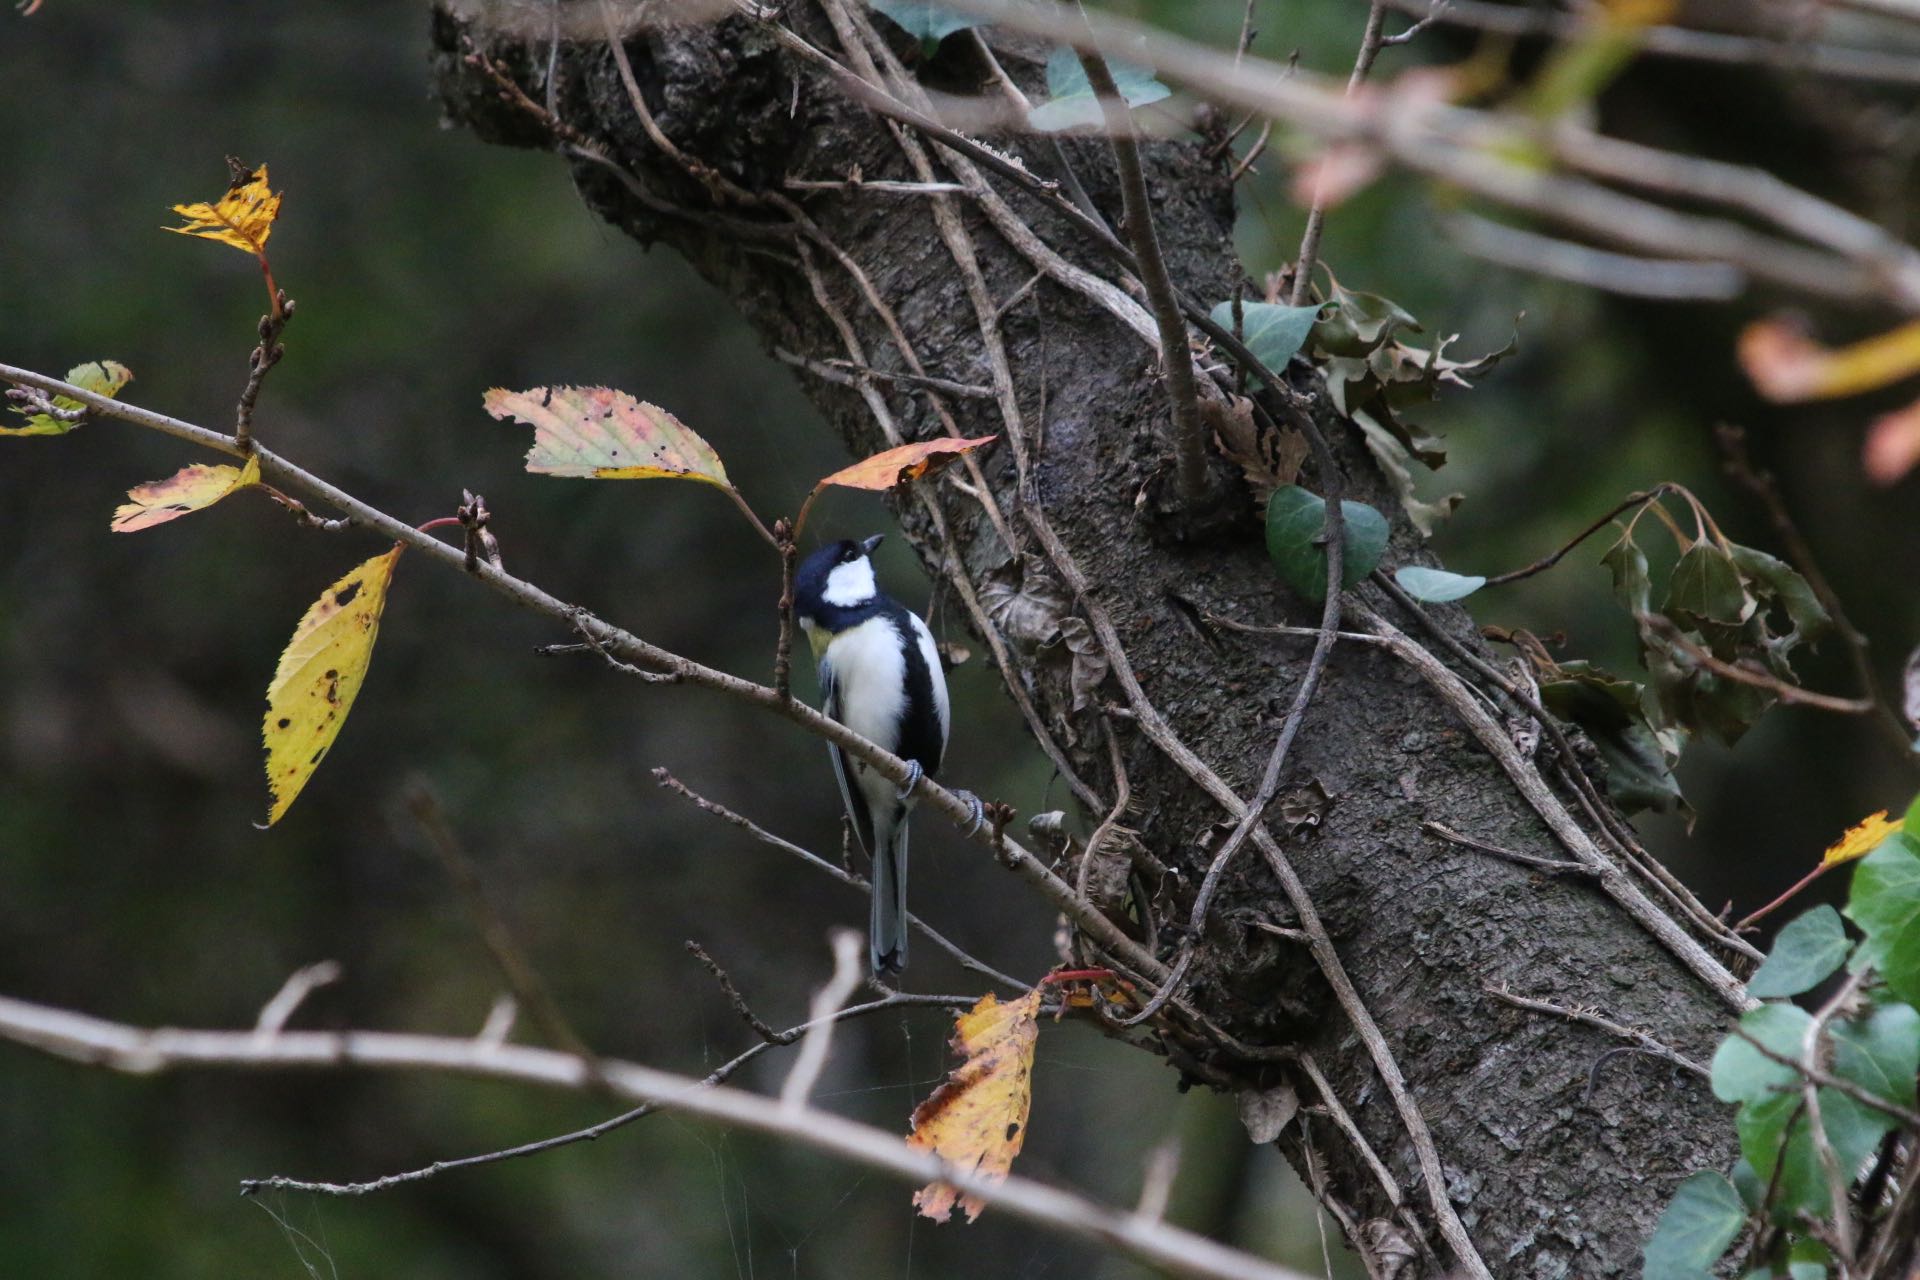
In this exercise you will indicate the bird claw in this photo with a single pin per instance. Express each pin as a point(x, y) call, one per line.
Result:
point(914, 774)
point(977, 809)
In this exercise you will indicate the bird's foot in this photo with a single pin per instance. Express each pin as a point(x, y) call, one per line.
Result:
point(977, 809)
point(914, 774)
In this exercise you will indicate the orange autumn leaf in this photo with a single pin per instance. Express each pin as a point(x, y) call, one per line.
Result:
point(603, 434)
point(977, 1119)
point(1786, 366)
point(319, 676)
point(902, 463)
point(243, 217)
point(189, 489)
point(1860, 840)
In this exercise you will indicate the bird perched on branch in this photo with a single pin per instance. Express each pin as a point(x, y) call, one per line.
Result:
point(880, 676)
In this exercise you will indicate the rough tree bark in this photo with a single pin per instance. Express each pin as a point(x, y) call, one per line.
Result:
point(1549, 1180)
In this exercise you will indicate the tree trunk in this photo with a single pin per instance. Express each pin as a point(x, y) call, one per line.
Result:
point(1556, 1167)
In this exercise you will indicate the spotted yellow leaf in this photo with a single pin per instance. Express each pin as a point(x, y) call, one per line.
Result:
point(977, 1119)
point(243, 217)
point(102, 377)
point(319, 674)
point(188, 489)
point(1860, 840)
point(603, 434)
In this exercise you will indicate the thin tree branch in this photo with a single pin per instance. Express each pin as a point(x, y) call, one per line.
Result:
point(1791, 694)
point(1176, 351)
point(844, 876)
point(1724, 48)
point(143, 1051)
point(1317, 213)
point(1640, 1039)
point(827, 1002)
point(1738, 464)
point(591, 1133)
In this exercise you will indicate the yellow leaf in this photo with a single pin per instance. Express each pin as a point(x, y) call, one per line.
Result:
point(603, 434)
point(1787, 366)
point(319, 674)
point(243, 217)
point(977, 1119)
point(102, 377)
point(1861, 840)
point(188, 489)
point(903, 463)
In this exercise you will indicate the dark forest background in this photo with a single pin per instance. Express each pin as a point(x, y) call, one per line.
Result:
point(427, 268)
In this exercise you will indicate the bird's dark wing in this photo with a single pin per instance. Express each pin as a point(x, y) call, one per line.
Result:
point(842, 767)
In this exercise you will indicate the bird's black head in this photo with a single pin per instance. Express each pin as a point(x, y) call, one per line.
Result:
point(835, 578)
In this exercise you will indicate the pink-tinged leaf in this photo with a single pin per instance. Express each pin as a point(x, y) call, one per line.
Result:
point(905, 462)
point(1787, 366)
point(1893, 445)
point(189, 489)
point(603, 434)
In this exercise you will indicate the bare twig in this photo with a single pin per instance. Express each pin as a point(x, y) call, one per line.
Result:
point(591, 1133)
point(143, 1051)
point(1791, 694)
point(1176, 352)
point(1683, 43)
point(1317, 213)
point(1739, 465)
point(1547, 865)
point(263, 358)
point(735, 999)
point(1841, 1216)
point(1667, 279)
point(839, 873)
point(1588, 1017)
point(1546, 562)
point(827, 1002)
point(300, 984)
point(847, 373)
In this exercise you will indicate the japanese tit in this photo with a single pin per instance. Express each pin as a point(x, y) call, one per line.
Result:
point(880, 676)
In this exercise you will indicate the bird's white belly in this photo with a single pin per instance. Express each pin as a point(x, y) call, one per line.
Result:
point(870, 678)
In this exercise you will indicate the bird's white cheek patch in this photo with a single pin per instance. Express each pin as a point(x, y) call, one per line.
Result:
point(850, 584)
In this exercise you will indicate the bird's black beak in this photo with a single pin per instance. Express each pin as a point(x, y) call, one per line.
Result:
point(868, 544)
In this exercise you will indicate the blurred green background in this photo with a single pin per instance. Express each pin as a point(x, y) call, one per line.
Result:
point(427, 268)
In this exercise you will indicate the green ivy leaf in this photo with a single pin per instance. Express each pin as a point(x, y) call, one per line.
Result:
point(1358, 324)
point(1706, 586)
point(1881, 1054)
point(1808, 949)
point(1632, 582)
point(1612, 712)
point(1885, 903)
point(1776, 1131)
point(927, 23)
point(1437, 586)
point(1741, 1073)
point(1070, 102)
point(1780, 580)
point(1701, 1221)
point(1296, 532)
point(1272, 332)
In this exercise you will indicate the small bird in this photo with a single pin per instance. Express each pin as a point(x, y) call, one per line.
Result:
point(880, 676)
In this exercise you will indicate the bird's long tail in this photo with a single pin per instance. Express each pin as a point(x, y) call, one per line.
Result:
point(887, 930)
